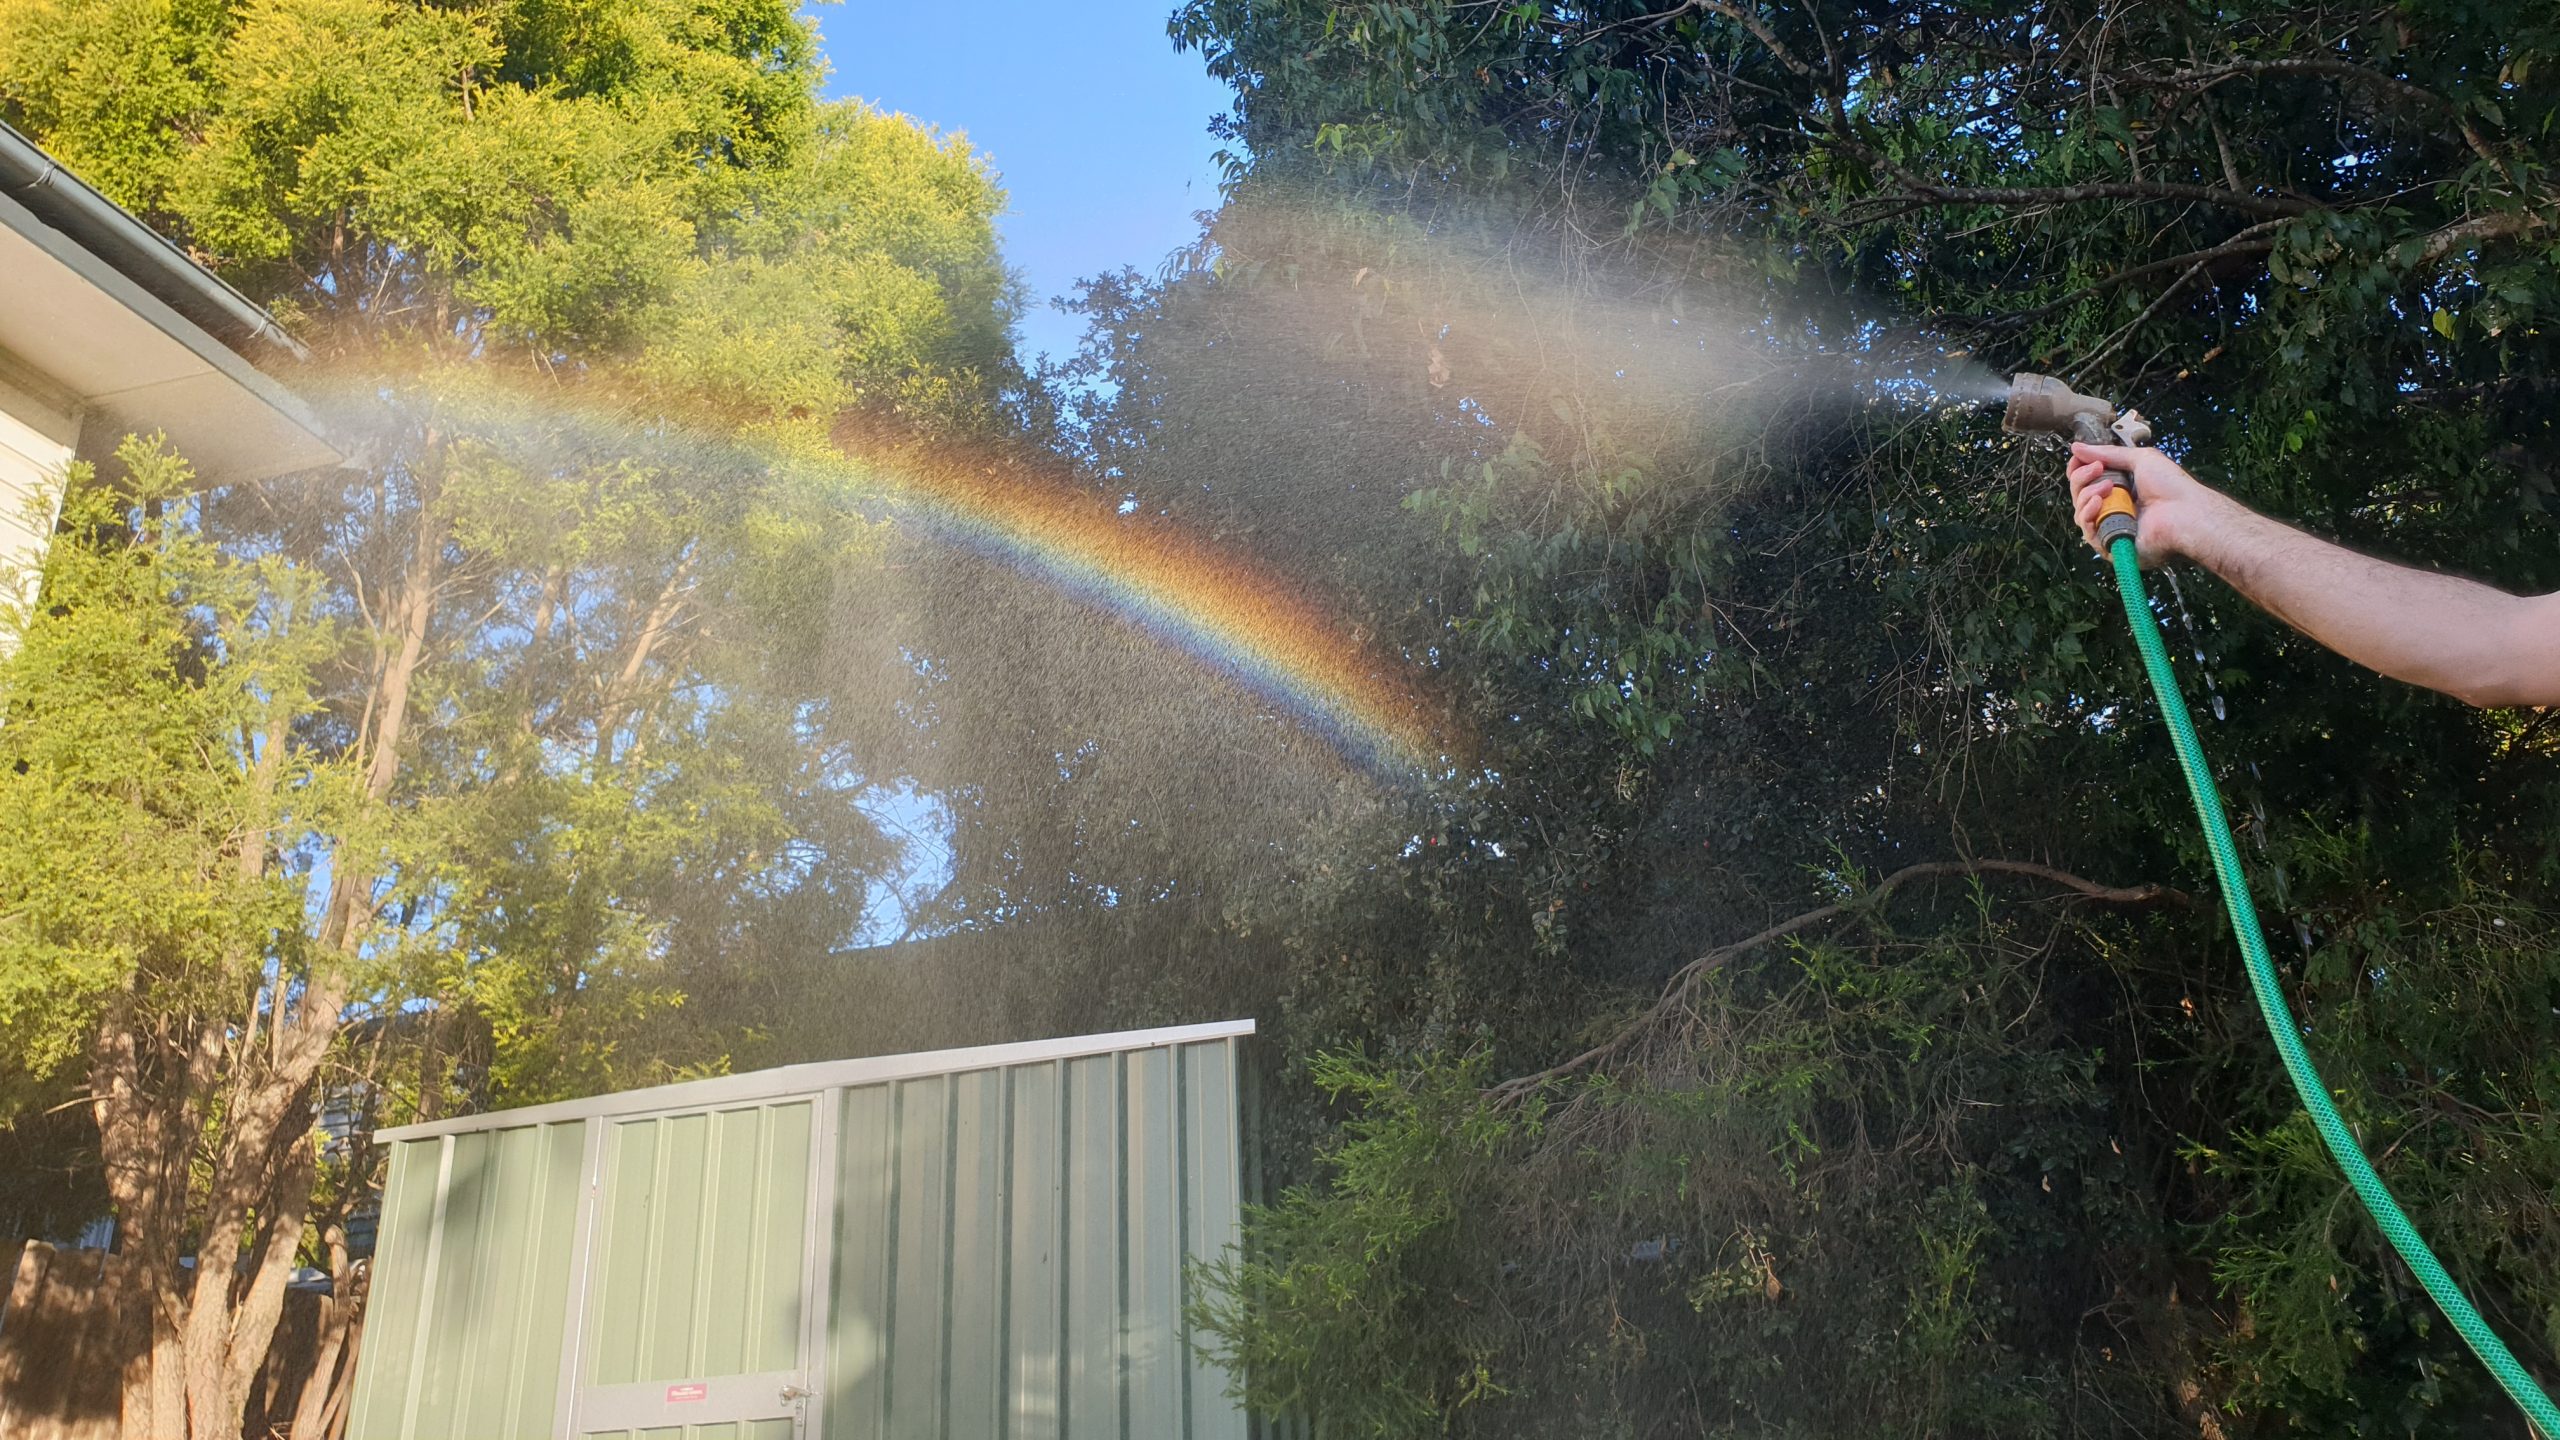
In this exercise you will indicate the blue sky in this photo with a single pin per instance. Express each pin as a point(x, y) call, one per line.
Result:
point(1101, 132)
point(1099, 128)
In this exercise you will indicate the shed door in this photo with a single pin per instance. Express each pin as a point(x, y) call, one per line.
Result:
point(696, 1315)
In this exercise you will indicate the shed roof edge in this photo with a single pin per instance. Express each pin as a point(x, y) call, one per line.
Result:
point(789, 1080)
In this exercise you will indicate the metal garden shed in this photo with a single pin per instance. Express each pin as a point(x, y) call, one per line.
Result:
point(961, 1243)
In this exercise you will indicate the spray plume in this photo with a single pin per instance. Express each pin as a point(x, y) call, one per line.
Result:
point(1221, 608)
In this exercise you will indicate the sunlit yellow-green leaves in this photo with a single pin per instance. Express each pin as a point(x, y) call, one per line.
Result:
point(128, 857)
point(562, 180)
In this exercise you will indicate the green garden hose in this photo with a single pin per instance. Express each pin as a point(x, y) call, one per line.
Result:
point(2386, 1212)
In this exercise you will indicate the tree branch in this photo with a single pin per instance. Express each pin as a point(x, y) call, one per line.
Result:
point(2134, 326)
point(1686, 979)
point(2199, 76)
point(2478, 230)
point(2205, 77)
point(2252, 241)
point(615, 705)
point(2255, 240)
point(2270, 206)
point(1759, 31)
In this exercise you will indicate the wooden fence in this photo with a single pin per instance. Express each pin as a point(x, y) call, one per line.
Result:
point(73, 1319)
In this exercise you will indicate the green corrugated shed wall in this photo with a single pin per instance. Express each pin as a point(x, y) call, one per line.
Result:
point(991, 1242)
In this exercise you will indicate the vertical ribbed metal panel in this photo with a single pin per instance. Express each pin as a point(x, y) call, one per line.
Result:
point(698, 1245)
point(1013, 1250)
point(857, 1405)
point(976, 1309)
point(1004, 1250)
point(464, 1331)
point(1212, 1214)
point(1035, 1239)
point(1152, 1342)
point(1091, 1147)
point(919, 1255)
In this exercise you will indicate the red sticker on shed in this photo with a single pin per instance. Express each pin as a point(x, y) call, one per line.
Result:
point(687, 1394)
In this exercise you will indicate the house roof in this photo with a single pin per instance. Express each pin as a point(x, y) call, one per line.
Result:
point(102, 316)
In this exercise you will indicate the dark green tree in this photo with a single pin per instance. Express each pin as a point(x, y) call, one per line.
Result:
point(1560, 340)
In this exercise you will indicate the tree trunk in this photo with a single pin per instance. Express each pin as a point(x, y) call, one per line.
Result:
point(164, 1403)
point(210, 1334)
point(342, 1398)
point(147, 1096)
point(256, 1198)
point(616, 707)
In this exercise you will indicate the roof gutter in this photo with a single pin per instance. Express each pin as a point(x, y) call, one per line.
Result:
point(144, 256)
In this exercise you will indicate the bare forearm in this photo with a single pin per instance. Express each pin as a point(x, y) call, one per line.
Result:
point(2463, 638)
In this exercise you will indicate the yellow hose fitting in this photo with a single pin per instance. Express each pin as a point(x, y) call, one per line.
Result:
point(2116, 514)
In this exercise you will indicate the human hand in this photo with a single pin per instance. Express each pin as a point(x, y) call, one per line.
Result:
point(2177, 511)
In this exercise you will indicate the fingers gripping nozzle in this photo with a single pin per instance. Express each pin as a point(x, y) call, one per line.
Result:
point(2042, 405)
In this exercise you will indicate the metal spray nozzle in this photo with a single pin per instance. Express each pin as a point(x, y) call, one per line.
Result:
point(2042, 405)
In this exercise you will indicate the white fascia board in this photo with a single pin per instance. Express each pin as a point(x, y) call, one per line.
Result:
point(136, 365)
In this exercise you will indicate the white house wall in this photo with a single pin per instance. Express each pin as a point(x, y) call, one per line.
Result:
point(37, 437)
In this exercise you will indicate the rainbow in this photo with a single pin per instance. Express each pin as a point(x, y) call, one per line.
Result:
point(1214, 605)
point(1218, 607)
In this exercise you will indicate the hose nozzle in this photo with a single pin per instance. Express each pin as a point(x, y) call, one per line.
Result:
point(2042, 405)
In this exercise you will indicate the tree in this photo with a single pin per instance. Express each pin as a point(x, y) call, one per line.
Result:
point(148, 898)
point(456, 769)
point(1721, 672)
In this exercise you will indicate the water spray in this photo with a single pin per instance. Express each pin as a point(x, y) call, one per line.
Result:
point(2041, 405)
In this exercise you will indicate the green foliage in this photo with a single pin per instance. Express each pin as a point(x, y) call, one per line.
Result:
point(565, 182)
point(1598, 572)
point(478, 771)
point(541, 243)
point(1846, 1199)
point(2441, 1039)
point(1364, 1307)
point(125, 875)
point(1802, 627)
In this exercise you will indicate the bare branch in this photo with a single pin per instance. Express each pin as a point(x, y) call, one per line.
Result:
point(2253, 241)
point(2205, 77)
point(1675, 994)
point(1759, 31)
point(2478, 230)
point(2134, 326)
point(2272, 206)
